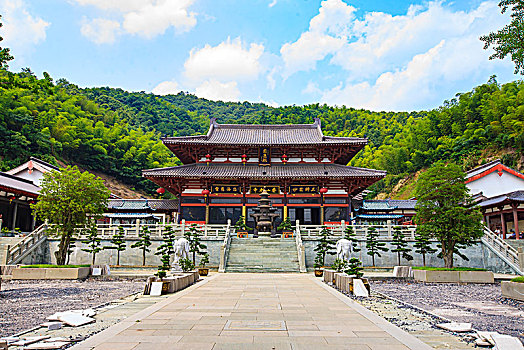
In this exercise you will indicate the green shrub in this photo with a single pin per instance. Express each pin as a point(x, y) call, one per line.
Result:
point(518, 279)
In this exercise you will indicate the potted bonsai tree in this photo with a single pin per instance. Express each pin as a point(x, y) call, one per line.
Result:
point(286, 228)
point(318, 265)
point(186, 264)
point(203, 270)
point(241, 227)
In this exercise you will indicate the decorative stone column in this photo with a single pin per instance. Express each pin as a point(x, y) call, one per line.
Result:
point(516, 221)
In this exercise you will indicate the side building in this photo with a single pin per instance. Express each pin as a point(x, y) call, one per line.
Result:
point(225, 170)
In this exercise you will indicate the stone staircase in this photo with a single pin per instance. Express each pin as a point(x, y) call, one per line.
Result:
point(262, 254)
point(7, 242)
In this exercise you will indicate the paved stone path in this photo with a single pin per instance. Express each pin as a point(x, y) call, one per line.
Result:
point(255, 311)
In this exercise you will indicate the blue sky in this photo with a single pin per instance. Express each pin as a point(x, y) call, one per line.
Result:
point(380, 55)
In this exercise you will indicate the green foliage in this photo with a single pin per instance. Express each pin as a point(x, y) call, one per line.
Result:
point(143, 243)
point(373, 245)
point(166, 250)
point(324, 246)
point(241, 224)
point(352, 237)
point(285, 225)
point(339, 265)
point(118, 243)
point(354, 268)
point(519, 279)
point(204, 260)
point(423, 245)
point(92, 240)
point(186, 264)
point(509, 40)
point(71, 248)
point(195, 244)
point(445, 210)
point(65, 200)
point(400, 245)
point(428, 268)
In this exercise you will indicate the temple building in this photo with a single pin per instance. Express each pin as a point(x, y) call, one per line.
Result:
point(224, 171)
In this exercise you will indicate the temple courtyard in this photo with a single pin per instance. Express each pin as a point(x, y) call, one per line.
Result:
point(255, 311)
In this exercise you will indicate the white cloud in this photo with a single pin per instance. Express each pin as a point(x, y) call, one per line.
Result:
point(145, 18)
point(21, 30)
point(100, 30)
point(166, 88)
point(397, 62)
point(272, 3)
point(326, 35)
point(227, 61)
point(217, 91)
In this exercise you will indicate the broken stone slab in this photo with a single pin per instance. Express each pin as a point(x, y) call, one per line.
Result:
point(3, 345)
point(156, 289)
point(75, 320)
point(86, 313)
point(10, 340)
point(359, 289)
point(29, 340)
point(47, 346)
point(402, 272)
point(506, 342)
point(51, 326)
point(57, 339)
point(456, 327)
point(487, 336)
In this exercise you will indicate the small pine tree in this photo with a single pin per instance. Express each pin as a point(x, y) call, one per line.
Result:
point(423, 246)
point(166, 249)
point(354, 268)
point(195, 245)
point(92, 240)
point(241, 225)
point(352, 237)
point(144, 242)
point(373, 245)
point(119, 244)
point(324, 246)
point(400, 244)
point(339, 265)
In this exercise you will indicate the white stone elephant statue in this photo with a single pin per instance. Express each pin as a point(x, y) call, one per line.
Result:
point(181, 247)
point(344, 249)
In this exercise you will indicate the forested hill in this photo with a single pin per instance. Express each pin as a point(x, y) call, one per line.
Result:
point(118, 133)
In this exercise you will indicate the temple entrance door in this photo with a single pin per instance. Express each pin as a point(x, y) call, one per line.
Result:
point(306, 216)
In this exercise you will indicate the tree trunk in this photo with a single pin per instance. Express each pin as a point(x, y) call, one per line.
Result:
point(118, 258)
point(144, 257)
point(94, 255)
point(398, 255)
point(63, 247)
point(373, 260)
point(424, 259)
point(448, 259)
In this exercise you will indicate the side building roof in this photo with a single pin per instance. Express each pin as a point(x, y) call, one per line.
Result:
point(18, 186)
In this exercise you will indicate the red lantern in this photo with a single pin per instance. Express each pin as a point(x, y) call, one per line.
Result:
point(323, 190)
point(208, 158)
point(205, 192)
point(284, 158)
point(500, 172)
point(244, 159)
point(160, 190)
point(11, 198)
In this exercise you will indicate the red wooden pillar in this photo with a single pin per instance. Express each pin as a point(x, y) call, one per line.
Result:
point(503, 224)
point(516, 221)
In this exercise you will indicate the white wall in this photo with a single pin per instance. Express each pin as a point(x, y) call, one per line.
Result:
point(493, 185)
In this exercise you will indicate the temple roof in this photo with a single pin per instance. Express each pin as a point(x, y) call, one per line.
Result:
point(17, 185)
point(250, 134)
point(142, 204)
point(517, 196)
point(231, 170)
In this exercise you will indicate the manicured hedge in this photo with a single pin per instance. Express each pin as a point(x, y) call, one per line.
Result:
point(427, 268)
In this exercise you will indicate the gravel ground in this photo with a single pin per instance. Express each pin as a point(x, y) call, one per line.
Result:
point(26, 304)
point(479, 304)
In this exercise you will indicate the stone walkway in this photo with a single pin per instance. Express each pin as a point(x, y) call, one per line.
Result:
point(255, 311)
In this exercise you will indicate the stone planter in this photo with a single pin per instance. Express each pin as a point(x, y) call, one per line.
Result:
point(329, 276)
point(454, 276)
point(59, 273)
point(513, 290)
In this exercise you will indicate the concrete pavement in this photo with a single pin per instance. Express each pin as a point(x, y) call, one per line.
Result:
point(255, 311)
